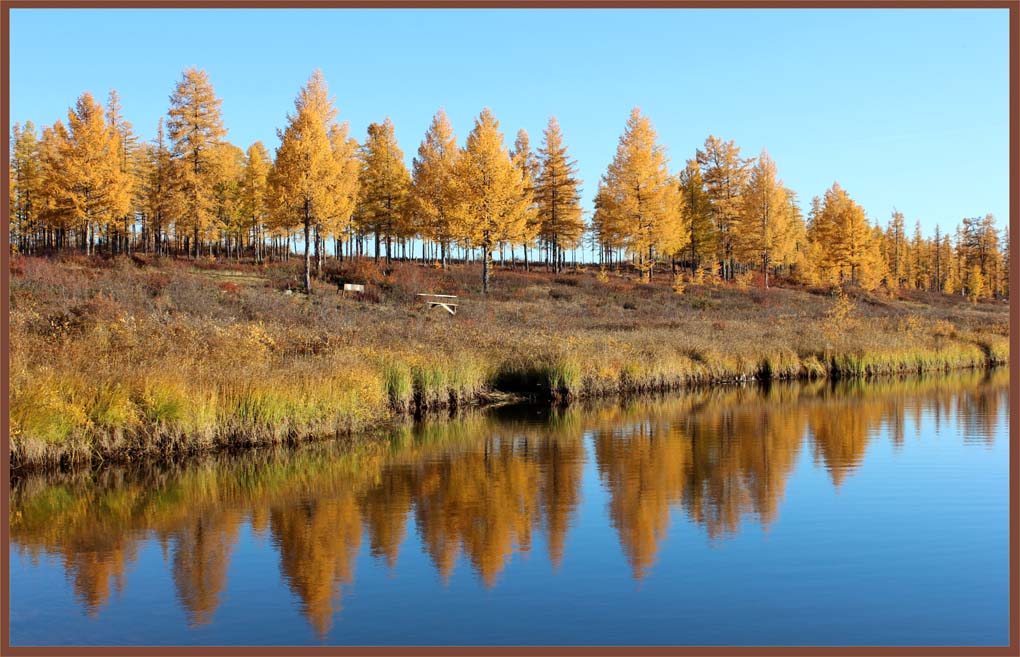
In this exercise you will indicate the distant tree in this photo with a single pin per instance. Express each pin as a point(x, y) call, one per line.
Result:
point(639, 197)
point(763, 226)
point(54, 205)
point(495, 205)
point(702, 241)
point(254, 192)
point(346, 182)
point(558, 195)
point(195, 129)
point(160, 192)
point(975, 283)
point(127, 156)
point(951, 279)
point(385, 183)
point(849, 250)
point(26, 186)
point(230, 218)
point(433, 191)
point(725, 174)
point(89, 184)
point(921, 259)
point(528, 167)
point(895, 249)
point(607, 227)
point(301, 177)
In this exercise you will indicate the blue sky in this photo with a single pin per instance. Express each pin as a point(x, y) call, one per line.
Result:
point(905, 108)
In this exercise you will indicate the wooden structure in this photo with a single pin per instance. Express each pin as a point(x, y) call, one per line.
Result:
point(447, 302)
point(352, 287)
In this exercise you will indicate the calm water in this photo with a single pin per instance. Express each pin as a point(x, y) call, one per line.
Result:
point(801, 514)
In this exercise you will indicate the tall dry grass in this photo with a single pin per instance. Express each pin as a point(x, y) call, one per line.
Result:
point(123, 356)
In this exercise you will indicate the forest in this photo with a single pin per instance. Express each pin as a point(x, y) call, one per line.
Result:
point(93, 185)
point(182, 294)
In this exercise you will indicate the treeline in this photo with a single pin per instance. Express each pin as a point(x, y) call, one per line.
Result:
point(93, 186)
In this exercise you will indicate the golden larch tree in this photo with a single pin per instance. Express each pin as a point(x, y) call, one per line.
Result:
point(195, 129)
point(161, 192)
point(304, 172)
point(895, 249)
point(495, 204)
point(253, 193)
point(558, 196)
point(848, 250)
point(26, 182)
point(90, 185)
point(433, 191)
point(763, 228)
point(385, 183)
point(229, 217)
point(127, 161)
point(346, 183)
point(642, 199)
point(725, 174)
point(527, 165)
point(698, 205)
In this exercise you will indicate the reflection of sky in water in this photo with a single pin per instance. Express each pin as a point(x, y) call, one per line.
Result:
point(807, 513)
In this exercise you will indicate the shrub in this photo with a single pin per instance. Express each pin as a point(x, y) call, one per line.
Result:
point(743, 280)
point(679, 285)
point(560, 295)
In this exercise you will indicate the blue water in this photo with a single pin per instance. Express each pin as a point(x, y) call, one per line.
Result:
point(807, 514)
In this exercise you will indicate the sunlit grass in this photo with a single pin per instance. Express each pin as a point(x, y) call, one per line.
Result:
point(124, 358)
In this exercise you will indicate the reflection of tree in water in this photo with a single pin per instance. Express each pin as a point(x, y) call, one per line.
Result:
point(385, 506)
point(483, 504)
point(484, 500)
point(562, 466)
point(318, 540)
point(201, 556)
point(93, 569)
point(643, 469)
point(478, 488)
point(727, 456)
point(840, 432)
point(981, 409)
point(741, 455)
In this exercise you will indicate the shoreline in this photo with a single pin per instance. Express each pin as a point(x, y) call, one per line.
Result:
point(169, 447)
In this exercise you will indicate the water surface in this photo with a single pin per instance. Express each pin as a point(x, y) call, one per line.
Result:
point(794, 514)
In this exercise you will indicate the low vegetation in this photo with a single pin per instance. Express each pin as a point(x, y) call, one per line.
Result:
point(114, 357)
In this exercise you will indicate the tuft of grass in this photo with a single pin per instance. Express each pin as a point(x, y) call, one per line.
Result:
point(398, 384)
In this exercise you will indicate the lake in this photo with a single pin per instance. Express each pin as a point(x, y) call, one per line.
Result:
point(854, 513)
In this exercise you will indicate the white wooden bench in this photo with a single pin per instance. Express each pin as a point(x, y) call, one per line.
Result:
point(447, 302)
point(352, 287)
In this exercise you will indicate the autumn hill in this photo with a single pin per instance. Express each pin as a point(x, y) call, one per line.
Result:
point(118, 355)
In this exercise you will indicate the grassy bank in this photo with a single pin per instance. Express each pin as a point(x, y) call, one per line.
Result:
point(116, 357)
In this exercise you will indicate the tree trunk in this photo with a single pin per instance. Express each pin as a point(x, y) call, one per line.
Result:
point(318, 252)
point(308, 250)
point(485, 270)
